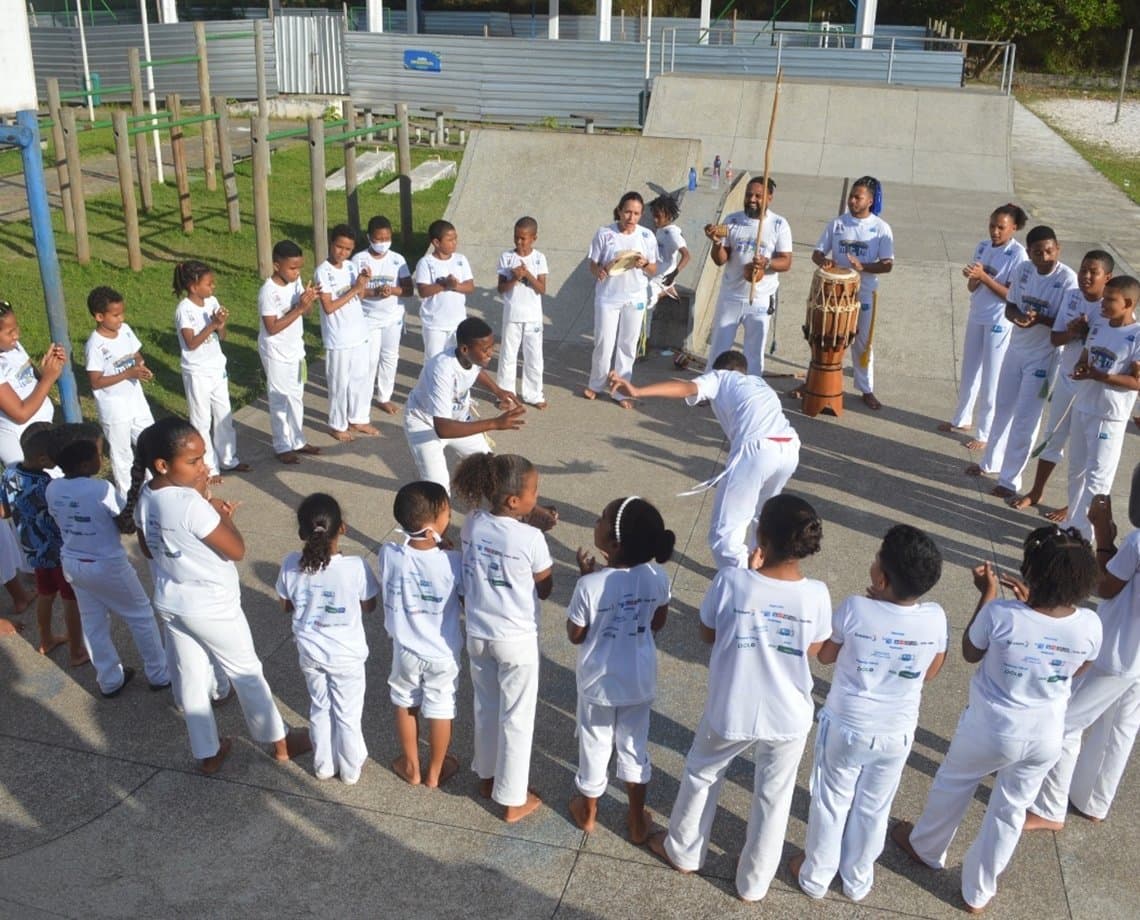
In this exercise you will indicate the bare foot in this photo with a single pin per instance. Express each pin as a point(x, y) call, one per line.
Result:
point(797, 862)
point(1001, 492)
point(1021, 502)
point(289, 457)
point(900, 834)
point(590, 394)
point(486, 787)
point(408, 772)
point(295, 743)
point(449, 769)
point(871, 402)
point(1058, 516)
point(389, 408)
point(78, 661)
point(625, 403)
point(210, 765)
point(1034, 822)
point(540, 405)
point(238, 468)
point(515, 813)
point(342, 436)
point(584, 811)
point(640, 827)
point(366, 430)
point(657, 847)
point(974, 444)
point(50, 644)
point(975, 470)
point(308, 449)
point(970, 909)
point(8, 628)
point(942, 426)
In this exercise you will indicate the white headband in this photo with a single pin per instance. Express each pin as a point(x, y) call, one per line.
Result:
point(617, 517)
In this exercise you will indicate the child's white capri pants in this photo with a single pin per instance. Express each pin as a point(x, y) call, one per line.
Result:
point(600, 728)
point(427, 684)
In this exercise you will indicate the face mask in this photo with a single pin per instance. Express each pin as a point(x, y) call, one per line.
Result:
point(424, 533)
point(379, 248)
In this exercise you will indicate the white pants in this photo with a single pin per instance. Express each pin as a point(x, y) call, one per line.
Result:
point(864, 376)
point(504, 674)
point(1094, 695)
point(529, 336)
point(208, 400)
point(105, 585)
point(225, 637)
point(1058, 423)
point(727, 319)
point(985, 347)
point(1104, 755)
point(1020, 402)
point(854, 779)
point(691, 821)
point(1094, 455)
point(437, 340)
point(12, 558)
point(601, 728)
point(754, 473)
point(336, 705)
point(617, 327)
point(121, 435)
point(974, 753)
point(384, 356)
point(285, 383)
point(350, 389)
point(427, 684)
point(428, 452)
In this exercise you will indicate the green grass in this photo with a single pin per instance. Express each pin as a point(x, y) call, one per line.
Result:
point(149, 299)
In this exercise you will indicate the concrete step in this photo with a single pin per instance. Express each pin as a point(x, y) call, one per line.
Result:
point(368, 166)
point(424, 176)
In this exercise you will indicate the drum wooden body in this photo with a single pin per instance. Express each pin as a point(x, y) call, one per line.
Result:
point(829, 327)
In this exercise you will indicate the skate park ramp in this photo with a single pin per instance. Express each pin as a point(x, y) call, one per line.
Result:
point(570, 184)
point(911, 135)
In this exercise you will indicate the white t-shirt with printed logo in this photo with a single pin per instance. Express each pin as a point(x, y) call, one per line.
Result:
point(759, 679)
point(328, 624)
point(521, 302)
point(389, 269)
point(886, 651)
point(17, 370)
point(868, 239)
point(1120, 615)
point(276, 300)
point(84, 509)
point(1024, 680)
point(125, 399)
point(1073, 306)
point(443, 391)
point(343, 328)
point(670, 242)
point(1112, 349)
point(421, 590)
point(207, 359)
point(631, 285)
point(617, 661)
point(447, 309)
point(999, 262)
point(501, 556)
point(735, 289)
point(747, 408)
point(1030, 290)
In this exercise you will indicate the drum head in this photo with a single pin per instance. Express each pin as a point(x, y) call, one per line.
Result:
point(836, 274)
point(625, 261)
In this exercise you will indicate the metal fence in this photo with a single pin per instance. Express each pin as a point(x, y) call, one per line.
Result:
point(310, 55)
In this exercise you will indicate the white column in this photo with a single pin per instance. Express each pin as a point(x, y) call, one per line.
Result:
point(413, 18)
point(552, 21)
point(605, 19)
point(167, 11)
point(375, 15)
point(865, 22)
point(706, 19)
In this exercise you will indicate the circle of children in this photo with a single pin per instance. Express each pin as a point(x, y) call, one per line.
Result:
point(1048, 667)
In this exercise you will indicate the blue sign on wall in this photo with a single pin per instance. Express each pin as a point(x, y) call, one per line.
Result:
point(426, 61)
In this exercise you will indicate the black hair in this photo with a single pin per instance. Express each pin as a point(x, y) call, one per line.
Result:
point(730, 360)
point(628, 196)
point(665, 204)
point(1059, 567)
point(1099, 255)
point(160, 441)
point(417, 504)
point(494, 477)
point(6, 309)
point(527, 223)
point(471, 330)
point(789, 528)
point(187, 273)
point(1039, 234)
point(286, 249)
point(910, 560)
point(342, 230)
point(63, 436)
point(36, 441)
point(379, 222)
point(101, 298)
point(438, 228)
point(640, 532)
point(1126, 284)
point(1013, 212)
point(875, 187)
point(759, 180)
point(318, 523)
point(76, 455)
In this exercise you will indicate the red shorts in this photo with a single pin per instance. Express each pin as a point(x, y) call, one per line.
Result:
point(49, 582)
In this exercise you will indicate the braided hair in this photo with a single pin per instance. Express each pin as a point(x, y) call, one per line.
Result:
point(1059, 567)
point(875, 187)
point(158, 442)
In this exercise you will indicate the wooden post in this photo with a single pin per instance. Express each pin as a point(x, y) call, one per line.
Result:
point(75, 175)
point(226, 154)
point(127, 189)
point(371, 138)
point(404, 165)
point(208, 129)
point(352, 198)
point(262, 99)
point(58, 153)
point(320, 205)
point(258, 129)
point(142, 156)
point(178, 153)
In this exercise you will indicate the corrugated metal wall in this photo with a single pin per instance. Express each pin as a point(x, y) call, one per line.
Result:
point(310, 55)
point(57, 53)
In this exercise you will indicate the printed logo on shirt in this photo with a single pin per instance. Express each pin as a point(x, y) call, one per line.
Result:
point(26, 374)
point(1103, 359)
point(857, 248)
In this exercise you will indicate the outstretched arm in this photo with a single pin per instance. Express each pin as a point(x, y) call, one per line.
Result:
point(670, 389)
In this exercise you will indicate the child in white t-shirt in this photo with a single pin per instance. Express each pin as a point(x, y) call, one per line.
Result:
point(443, 280)
point(421, 582)
point(1030, 650)
point(522, 284)
point(673, 256)
point(283, 303)
point(200, 322)
point(614, 616)
point(763, 623)
point(344, 333)
point(388, 281)
point(885, 647)
point(115, 368)
point(327, 593)
point(507, 573)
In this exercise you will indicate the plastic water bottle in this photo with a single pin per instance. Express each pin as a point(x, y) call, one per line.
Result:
point(728, 173)
point(716, 172)
point(692, 178)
